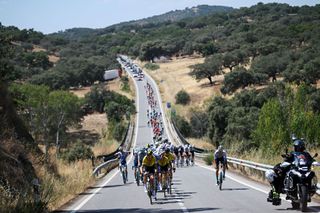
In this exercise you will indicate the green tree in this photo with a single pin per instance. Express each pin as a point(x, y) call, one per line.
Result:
point(272, 131)
point(234, 58)
point(182, 97)
point(240, 78)
point(64, 109)
point(212, 66)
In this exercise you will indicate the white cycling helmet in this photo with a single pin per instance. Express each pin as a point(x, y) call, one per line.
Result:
point(270, 175)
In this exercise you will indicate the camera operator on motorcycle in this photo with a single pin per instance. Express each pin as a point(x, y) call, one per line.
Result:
point(122, 156)
point(280, 172)
point(220, 156)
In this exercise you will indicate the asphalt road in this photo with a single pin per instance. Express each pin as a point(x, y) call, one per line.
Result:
point(194, 188)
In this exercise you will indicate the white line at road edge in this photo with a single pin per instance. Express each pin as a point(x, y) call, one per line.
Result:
point(109, 179)
point(253, 187)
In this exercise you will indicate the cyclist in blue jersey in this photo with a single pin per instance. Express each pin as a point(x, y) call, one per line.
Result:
point(122, 156)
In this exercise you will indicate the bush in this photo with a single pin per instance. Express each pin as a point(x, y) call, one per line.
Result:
point(209, 159)
point(183, 126)
point(151, 66)
point(125, 84)
point(118, 131)
point(182, 97)
point(78, 152)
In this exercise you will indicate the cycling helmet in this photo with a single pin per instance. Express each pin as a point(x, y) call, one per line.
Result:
point(120, 148)
point(149, 152)
point(298, 145)
point(167, 149)
point(148, 146)
point(270, 175)
point(220, 148)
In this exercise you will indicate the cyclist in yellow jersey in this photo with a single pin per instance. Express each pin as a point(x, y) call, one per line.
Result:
point(149, 167)
point(164, 163)
point(171, 158)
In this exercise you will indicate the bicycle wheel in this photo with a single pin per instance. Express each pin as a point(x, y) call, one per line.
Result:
point(138, 177)
point(124, 178)
point(220, 179)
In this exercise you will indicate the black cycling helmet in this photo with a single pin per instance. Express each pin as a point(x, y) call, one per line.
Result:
point(299, 145)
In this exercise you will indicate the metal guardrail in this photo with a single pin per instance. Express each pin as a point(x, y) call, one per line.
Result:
point(113, 162)
point(250, 164)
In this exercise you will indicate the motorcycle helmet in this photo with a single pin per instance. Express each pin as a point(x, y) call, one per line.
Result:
point(298, 145)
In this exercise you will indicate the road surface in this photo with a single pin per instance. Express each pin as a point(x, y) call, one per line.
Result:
point(194, 188)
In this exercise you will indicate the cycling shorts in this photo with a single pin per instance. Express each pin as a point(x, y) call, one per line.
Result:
point(164, 168)
point(150, 169)
point(218, 160)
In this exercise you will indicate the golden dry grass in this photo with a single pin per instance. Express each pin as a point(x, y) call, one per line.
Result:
point(73, 179)
point(201, 143)
point(173, 76)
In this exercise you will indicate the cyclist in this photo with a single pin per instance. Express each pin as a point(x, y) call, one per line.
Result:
point(135, 162)
point(186, 150)
point(149, 167)
point(192, 153)
point(142, 153)
point(171, 159)
point(164, 165)
point(220, 156)
point(181, 153)
point(176, 153)
point(122, 156)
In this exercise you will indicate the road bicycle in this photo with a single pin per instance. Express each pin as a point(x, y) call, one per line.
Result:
point(220, 176)
point(123, 170)
point(137, 175)
point(150, 188)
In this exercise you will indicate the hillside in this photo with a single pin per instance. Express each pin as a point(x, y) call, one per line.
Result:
point(177, 15)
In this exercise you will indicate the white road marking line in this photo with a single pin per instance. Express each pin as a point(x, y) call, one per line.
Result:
point(107, 181)
point(180, 202)
point(94, 193)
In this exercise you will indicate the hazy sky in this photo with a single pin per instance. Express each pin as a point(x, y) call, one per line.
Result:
point(50, 16)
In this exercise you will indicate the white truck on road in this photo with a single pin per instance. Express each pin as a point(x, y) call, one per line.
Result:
point(111, 74)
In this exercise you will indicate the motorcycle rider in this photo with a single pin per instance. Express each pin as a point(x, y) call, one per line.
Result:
point(277, 175)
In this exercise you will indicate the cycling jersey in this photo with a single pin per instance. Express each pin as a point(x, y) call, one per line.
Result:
point(149, 161)
point(170, 156)
point(122, 156)
point(163, 161)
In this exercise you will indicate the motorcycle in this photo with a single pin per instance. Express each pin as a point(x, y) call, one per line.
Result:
point(300, 182)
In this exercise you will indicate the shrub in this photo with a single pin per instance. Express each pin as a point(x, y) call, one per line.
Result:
point(118, 131)
point(183, 126)
point(182, 97)
point(152, 66)
point(125, 84)
point(78, 152)
point(209, 159)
